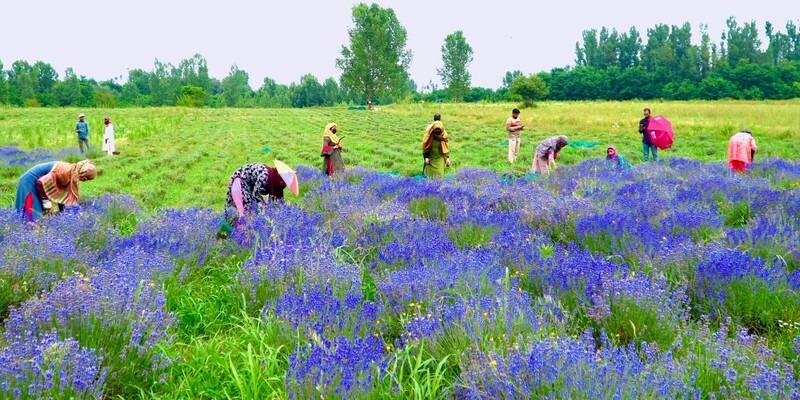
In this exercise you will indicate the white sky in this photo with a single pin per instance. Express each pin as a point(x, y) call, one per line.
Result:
point(286, 39)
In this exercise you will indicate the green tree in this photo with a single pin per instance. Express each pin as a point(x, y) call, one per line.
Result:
point(456, 56)
point(529, 88)
point(704, 53)
point(588, 53)
point(163, 89)
point(235, 87)
point(331, 92)
point(308, 93)
point(22, 83)
point(194, 72)
point(68, 91)
point(715, 88)
point(630, 45)
point(3, 85)
point(376, 63)
point(273, 95)
point(477, 94)
point(510, 77)
point(104, 97)
point(46, 78)
point(503, 91)
point(193, 96)
point(742, 43)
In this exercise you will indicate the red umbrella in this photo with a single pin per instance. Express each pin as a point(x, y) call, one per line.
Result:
point(660, 130)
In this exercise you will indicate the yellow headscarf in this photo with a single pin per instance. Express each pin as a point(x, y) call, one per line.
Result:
point(427, 139)
point(329, 133)
point(61, 184)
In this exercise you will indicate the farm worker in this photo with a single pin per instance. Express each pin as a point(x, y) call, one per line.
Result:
point(615, 160)
point(331, 151)
point(514, 127)
point(82, 129)
point(647, 145)
point(435, 150)
point(49, 184)
point(108, 137)
point(741, 150)
point(249, 183)
point(546, 153)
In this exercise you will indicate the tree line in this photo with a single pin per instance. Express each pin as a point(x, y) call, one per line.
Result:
point(609, 65)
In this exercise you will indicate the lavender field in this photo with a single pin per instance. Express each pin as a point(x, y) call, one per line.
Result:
point(677, 279)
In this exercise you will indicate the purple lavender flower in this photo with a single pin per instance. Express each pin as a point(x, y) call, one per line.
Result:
point(49, 367)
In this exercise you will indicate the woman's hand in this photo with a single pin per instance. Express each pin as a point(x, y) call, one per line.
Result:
point(427, 161)
point(447, 161)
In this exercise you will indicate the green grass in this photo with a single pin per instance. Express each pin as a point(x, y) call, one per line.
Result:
point(429, 208)
point(183, 157)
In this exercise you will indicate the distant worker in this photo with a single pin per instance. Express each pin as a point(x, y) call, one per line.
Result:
point(50, 186)
point(331, 151)
point(514, 127)
point(741, 150)
point(615, 160)
point(546, 154)
point(82, 129)
point(108, 137)
point(647, 143)
point(435, 150)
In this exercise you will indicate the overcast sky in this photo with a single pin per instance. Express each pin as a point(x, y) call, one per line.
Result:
point(284, 40)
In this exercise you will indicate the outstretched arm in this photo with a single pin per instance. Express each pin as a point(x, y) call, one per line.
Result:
point(238, 197)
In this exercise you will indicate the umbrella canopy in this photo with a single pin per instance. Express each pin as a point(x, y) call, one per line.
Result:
point(660, 130)
point(289, 176)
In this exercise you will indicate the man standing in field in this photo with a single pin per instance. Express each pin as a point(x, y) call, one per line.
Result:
point(514, 127)
point(647, 144)
point(82, 129)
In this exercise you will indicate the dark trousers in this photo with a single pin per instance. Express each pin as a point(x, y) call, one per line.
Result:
point(81, 142)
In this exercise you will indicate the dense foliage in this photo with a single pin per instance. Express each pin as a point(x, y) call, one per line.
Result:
point(609, 65)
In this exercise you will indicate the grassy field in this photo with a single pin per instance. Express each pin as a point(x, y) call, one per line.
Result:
point(667, 280)
point(182, 157)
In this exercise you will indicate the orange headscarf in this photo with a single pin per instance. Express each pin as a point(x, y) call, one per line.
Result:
point(61, 183)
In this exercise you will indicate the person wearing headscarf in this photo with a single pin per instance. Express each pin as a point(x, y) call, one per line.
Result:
point(615, 160)
point(331, 151)
point(546, 153)
point(108, 137)
point(435, 150)
point(50, 186)
point(741, 150)
point(250, 183)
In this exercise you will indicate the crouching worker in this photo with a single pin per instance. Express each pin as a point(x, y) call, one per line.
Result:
point(48, 187)
point(248, 186)
point(546, 154)
point(741, 150)
point(614, 160)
